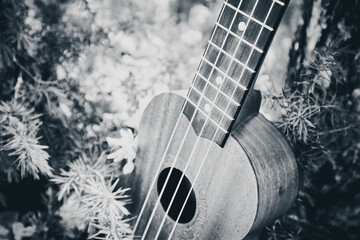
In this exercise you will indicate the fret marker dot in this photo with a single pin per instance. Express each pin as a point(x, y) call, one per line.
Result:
point(242, 26)
point(207, 107)
point(219, 80)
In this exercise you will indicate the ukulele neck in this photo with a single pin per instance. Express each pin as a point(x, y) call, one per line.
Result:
point(229, 65)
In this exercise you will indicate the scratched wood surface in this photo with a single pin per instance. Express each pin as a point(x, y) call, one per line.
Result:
point(241, 187)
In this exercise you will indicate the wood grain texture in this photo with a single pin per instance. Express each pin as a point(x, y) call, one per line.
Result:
point(240, 188)
point(275, 167)
point(233, 57)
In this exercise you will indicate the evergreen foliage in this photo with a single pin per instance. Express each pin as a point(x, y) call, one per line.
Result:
point(45, 125)
point(58, 124)
point(20, 129)
point(321, 119)
point(98, 199)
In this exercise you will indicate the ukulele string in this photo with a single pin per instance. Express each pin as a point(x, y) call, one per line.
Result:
point(165, 184)
point(184, 172)
point(199, 137)
point(159, 168)
point(167, 148)
point(227, 106)
point(207, 151)
point(182, 144)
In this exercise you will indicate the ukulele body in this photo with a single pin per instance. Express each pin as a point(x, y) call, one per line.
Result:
point(241, 187)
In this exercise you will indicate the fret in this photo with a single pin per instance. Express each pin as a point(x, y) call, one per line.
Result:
point(212, 53)
point(248, 57)
point(223, 61)
point(211, 93)
point(238, 37)
point(215, 67)
point(266, 18)
point(223, 101)
point(200, 82)
point(236, 71)
point(205, 100)
point(231, 89)
point(261, 12)
point(251, 31)
point(276, 11)
point(228, 68)
point(218, 117)
point(242, 50)
point(279, 2)
point(275, 21)
point(220, 91)
point(215, 114)
point(201, 123)
point(248, 16)
point(227, 86)
point(227, 16)
point(195, 96)
point(219, 36)
point(211, 109)
point(246, 78)
point(229, 60)
point(231, 105)
point(231, 43)
point(247, 6)
point(253, 61)
point(193, 109)
point(205, 68)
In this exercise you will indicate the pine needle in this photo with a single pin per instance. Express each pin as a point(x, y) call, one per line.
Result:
point(20, 128)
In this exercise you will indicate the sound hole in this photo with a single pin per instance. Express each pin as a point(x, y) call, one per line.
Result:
point(180, 197)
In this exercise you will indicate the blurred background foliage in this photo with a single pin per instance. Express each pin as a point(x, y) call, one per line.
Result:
point(75, 77)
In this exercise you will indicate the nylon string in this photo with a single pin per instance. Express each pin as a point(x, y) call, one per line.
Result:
point(164, 155)
point(207, 151)
point(193, 150)
point(189, 160)
point(177, 155)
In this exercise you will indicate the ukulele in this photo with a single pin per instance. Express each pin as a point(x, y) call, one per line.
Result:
point(209, 165)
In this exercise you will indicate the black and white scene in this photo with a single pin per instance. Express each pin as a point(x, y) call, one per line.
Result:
point(180, 119)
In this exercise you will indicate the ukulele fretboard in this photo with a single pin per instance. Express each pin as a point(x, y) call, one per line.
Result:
point(229, 66)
